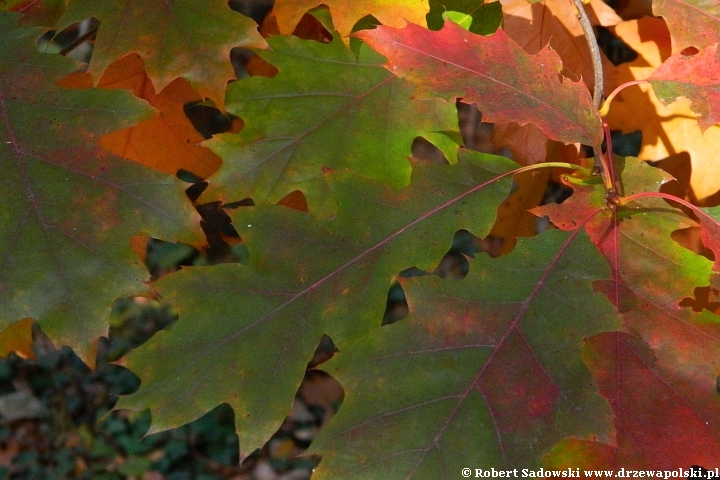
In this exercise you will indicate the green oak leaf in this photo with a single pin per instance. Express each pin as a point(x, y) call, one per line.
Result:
point(70, 208)
point(350, 113)
point(484, 372)
point(247, 332)
point(175, 38)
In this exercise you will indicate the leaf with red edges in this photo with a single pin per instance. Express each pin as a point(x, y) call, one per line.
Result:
point(652, 274)
point(695, 77)
point(636, 239)
point(659, 425)
point(506, 83)
point(485, 371)
point(692, 23)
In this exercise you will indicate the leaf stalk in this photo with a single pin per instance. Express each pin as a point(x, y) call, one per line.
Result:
point(535, 166)
point(623, 201)
point(606, 105)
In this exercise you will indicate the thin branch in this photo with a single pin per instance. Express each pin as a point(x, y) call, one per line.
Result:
point(604, 168)
point(594, 52)
point(90, 34)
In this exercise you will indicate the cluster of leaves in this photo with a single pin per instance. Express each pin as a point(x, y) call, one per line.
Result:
point(590, 345)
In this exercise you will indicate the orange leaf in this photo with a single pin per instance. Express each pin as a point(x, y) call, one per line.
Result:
point(167, 142)
point(669, 132)
point(17, 338)
point(528, 145)
point(513, 219)
point(554, 22)
point(345, 14)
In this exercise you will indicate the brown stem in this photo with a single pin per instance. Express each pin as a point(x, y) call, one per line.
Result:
point(606, 167)
point(594, 52)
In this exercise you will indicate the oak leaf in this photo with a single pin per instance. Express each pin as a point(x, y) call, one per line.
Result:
point(484, 371)
point(70, 208)
point(177, 38)
point(506, 83)
point(670, 133)
point(679, 345)
point(246, 332)
point(168, 142)
point(296, 125)
point(629, 376)
point(695, 77)
point(534, 25)
point(692, 23)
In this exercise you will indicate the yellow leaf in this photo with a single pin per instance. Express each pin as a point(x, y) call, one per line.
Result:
point(670, 132)
point(555, 22)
